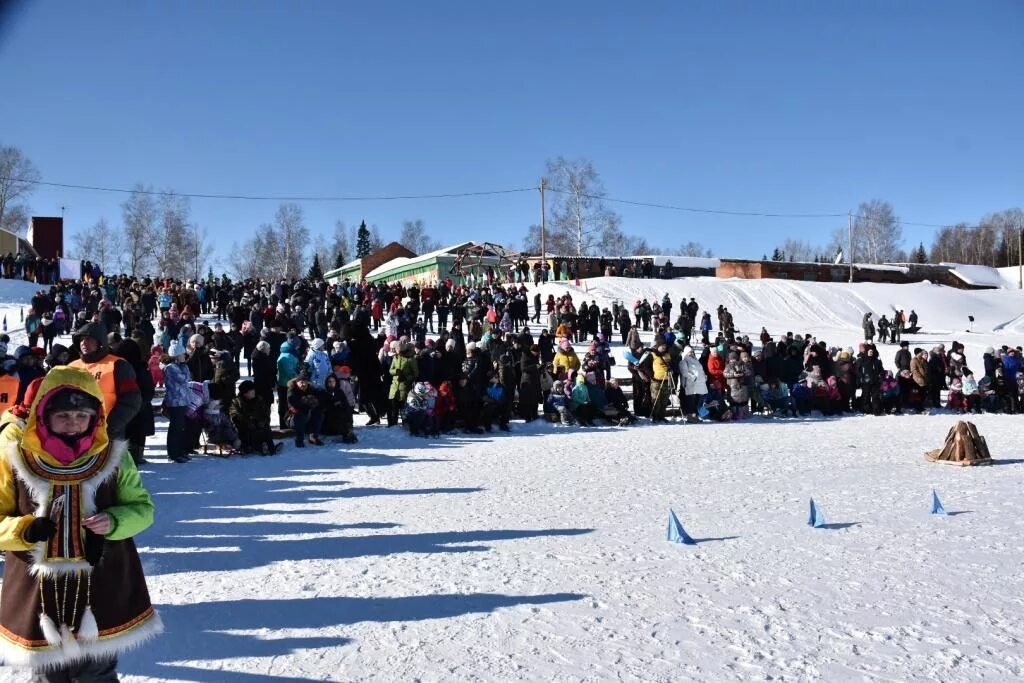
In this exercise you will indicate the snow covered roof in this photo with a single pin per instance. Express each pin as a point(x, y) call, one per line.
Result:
point(880, 266)
point(895, 268)
point(976, 276)
point(683, 261)
point(657, 260)
point(336, 272)
point(403, 261)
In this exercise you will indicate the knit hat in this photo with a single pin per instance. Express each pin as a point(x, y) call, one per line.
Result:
point(317, 344)
point(263, 345)
point(247, 385)
point(176, 349)
point(70, 398)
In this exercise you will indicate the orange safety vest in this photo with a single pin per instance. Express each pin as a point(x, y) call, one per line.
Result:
point(8, 391)
point(103, 371)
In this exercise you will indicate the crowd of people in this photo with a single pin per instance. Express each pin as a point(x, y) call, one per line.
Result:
point(447, 356)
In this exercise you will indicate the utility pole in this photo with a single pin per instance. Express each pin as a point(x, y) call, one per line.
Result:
point(849, 216)
point(543, 221)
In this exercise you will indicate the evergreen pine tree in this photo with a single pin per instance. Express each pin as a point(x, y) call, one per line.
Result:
point(920, 255)
point(363, 241)
point(339, 260)
point(315, 271)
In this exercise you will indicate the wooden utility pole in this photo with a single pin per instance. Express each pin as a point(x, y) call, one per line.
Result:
point(849, 216)
point(543, 221)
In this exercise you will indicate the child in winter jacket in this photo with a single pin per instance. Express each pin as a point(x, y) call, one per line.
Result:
point(890, 394)
point(803, 398)
point(580, 403)
point(155, 371)
point(972, 394)
point(74, 593)
point(955, 400)
point(417, 409)
point(556, 407)
point(444, 407)
point(492, 405)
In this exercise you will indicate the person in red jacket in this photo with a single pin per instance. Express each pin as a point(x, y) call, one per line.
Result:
point(716, 369)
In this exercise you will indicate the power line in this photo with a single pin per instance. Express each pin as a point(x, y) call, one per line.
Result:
point(340, 198)
point(482, 193)
point(690, 209)
point(760, 214)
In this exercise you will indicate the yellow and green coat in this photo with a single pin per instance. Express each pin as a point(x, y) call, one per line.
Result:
point(55, 608)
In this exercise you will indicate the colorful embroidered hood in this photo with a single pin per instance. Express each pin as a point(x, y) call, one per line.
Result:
point(35, 432)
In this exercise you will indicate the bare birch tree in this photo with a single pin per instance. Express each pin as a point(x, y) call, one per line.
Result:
point(100, 244)
point(18, 177)
point(577, 213)
point(415, 238)
point(877, 235)
point(172, 239)
point(139, 215)
point(294, 239)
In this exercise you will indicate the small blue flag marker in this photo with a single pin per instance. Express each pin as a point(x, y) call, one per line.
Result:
point(817, 518)
point(676, 532)
point(937, 508)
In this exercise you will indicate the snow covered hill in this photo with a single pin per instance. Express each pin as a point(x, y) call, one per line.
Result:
point(830, 311)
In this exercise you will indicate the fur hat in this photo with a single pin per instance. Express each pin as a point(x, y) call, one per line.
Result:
point(196, 340)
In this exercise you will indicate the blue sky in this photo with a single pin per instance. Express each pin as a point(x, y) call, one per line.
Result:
point(792, 107)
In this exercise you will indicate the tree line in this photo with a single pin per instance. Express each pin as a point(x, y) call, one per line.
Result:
point(877, 237)
point(158, 235)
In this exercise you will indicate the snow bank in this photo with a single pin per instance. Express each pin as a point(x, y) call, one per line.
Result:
point(18, 291)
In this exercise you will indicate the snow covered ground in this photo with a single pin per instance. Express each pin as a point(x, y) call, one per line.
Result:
point(541, 554)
